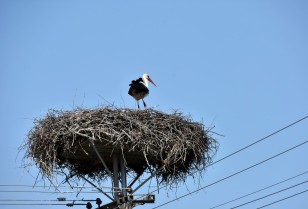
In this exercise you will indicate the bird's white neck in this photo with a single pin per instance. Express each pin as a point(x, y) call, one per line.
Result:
point(145, 81)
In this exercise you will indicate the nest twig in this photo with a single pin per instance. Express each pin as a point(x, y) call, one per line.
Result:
point(148, 139)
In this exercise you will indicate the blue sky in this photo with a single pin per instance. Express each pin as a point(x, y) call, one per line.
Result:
point(240, 65)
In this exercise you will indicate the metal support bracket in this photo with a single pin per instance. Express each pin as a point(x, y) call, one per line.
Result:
point(97, 188)
point(100, 157)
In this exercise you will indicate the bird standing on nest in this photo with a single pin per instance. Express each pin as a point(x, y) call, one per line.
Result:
point(139, 88)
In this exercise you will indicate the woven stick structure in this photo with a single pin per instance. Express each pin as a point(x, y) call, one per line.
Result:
point(60, 143)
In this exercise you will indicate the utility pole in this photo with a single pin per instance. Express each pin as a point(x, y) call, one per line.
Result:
point(123, 197)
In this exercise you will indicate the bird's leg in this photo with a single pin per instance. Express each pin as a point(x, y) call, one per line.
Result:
point(138, 104)
point(144, 104)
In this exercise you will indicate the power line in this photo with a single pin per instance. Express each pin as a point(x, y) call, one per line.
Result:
point(247, 146)
point(54, 186)
point(283, 199)
point(234, 174)
point(54, 200)
point(43, 204)
point(293, 177)
point(43, 186)
point(35, 191)
point(15, 204)
point(18, 200)
point(260, 198)
point(262, 139)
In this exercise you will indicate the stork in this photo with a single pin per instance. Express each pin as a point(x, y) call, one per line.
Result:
point(139, 88)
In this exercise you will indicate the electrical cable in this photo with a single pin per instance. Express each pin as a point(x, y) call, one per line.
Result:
point(293, 177)
point(54, 200)
point(21, 204)
point(234, 174)
point(43, 204)
point(51, 186)
point(283, 199)
point(19, 200)
point(260, 198)
point(34, 191)
point(262, 139)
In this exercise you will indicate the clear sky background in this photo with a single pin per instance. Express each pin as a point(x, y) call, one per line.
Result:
point(239, 65)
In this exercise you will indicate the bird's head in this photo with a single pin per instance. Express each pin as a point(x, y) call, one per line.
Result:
point(146, 76)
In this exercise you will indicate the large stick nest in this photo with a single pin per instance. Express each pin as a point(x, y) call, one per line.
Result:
point(148, 139)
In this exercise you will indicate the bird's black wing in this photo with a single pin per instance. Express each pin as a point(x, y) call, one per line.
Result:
point(137, 87)
point(135, 81)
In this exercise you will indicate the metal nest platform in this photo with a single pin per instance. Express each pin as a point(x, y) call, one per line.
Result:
point(85, 143)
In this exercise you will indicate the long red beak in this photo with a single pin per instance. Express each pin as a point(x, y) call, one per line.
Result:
point(151, 81)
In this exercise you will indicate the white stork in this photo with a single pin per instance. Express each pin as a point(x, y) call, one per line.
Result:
point(140, 88)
